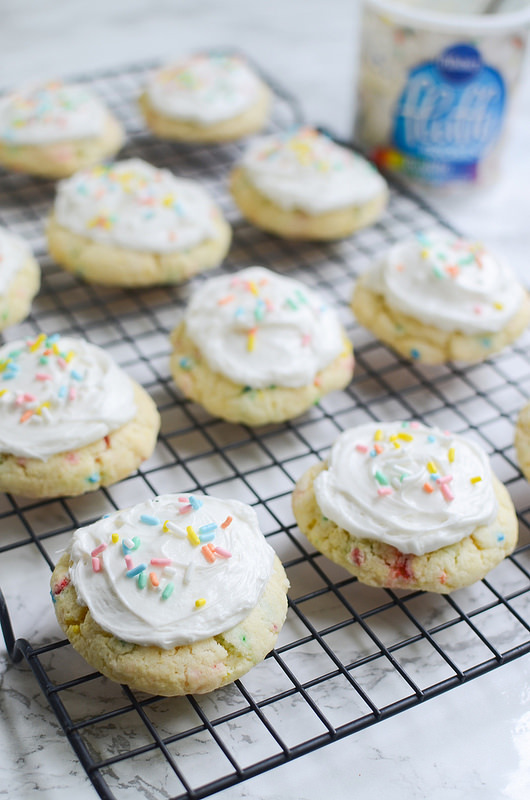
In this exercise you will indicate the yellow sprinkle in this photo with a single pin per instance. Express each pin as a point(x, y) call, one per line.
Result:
point(200, 602)
point(115, 538)
point(498, 306)
point(3, 366)
point(431, 466)
point(451, 454)
point(70, 354)
point(407, 437)
point(55, 348)
point(168, 200)
point(37, 343)
point(396, 445)
point(2, 392)
point(165, 528)
point(378, 435)
point(253, 288)
point(476, 479)
point(75, 628)
point(192, 536)
point(251, 342)
point(425, 254)
point(42, 405)
point(393, 437)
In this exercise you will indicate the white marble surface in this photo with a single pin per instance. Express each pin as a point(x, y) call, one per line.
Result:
point(473, 742)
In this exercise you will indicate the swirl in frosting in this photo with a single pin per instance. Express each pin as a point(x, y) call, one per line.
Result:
point(204, 88)
point(52, 112)
point(407, 485)
point(303, 169)
point(134, 205)
point(172, 570)
point(14, 253)
point(261, 329)
point(58, 394)
point(448, 282)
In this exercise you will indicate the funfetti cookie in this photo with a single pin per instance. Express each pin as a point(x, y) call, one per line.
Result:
point(402, 505)
point(302, 185)
point(205, 98)
point(258, 347)
point(70, 419)
point(179, 594)
point(437, 297)
point(131, 224)
point(55, 129)
point(19, 279)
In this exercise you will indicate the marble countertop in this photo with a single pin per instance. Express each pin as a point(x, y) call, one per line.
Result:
point(471, 742)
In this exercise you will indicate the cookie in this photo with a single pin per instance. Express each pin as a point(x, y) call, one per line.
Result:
point(19, 279)
point(177, 595)
point(54, 129)
point(70, 419)
point(436, 298)
point(401, 505)
point(131, 224)
point(301, 185)
point(522, 440)
point(257, 347)
point(205, 98)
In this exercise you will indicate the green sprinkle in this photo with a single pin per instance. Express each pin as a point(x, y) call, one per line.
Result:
point(168, 591)
point(380, 478)
point(437, 272)
point(142, 580)
point(301, 297)
point(43, 360)
point(291, 304)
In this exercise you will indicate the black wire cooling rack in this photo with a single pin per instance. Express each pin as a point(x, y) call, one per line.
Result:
point(348, 655)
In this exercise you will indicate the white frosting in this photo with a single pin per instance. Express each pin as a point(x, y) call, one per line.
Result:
point(134, 205)
point(305, 170)
point(14, 253)
point(58, 394)
point(52, 112)
point(230, 583)
point(447, 282)
point(261, 329)
point(385, 495)
point(204, 89)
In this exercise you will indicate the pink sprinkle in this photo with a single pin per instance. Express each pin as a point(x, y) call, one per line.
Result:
point(29, 398)
point(447, 493)
point(222, 553)
point(477, 309)
point(96, 564)
point(161, 562)
point(19, 400)
point(445, 479)
point(362, 448)
point(129, 562)
point(182, 499)
point(61, 362)
point(98, 550)
point(72, 394)
point(73, 458)
point(415, 424)
point(306, 339)
point(42, 376)
point(185, 509)
point(269, 304)
point(384, 490)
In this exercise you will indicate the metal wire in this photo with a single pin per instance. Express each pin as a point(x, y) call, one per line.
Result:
point(349, 655)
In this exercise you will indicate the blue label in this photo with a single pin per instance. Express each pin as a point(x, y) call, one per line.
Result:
point(451, 111)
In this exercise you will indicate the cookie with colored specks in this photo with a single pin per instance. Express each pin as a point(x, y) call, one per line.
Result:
point(54, 129)
point(70, 419)
point(400, 505)
point(438, 298)
point(177, 595)
point(131, 224)
point(301, 185)
point(207, 98)
point(257, 347)
point(19, 279)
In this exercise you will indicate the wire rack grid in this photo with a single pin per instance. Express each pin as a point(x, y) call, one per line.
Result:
point(349, 655)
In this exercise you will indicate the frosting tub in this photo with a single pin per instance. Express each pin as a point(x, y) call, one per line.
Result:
point(436, 88)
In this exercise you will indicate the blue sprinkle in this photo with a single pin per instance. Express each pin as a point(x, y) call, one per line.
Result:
point(194, 503)
point(8, 375)
point(486, 341)
point(105, 516)
point(431, 438)
point(52, 597)
point(500, 537)
point(94, 478)
point(373, 453)
point(207, 528)
point(415, 353)
point(147, 519)
point(434, 476)
point(54, 337)
point(132, 573)
point(62, 391)
point(239, 312)
point(124, 548)
point(186, 363)
point(206, 537)
point(76, 375)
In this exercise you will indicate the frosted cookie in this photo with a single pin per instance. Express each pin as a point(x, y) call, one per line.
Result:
point(19, 279)
point(70, 419)
point(436, 298)
point(256, 347)
point(55, 129)
point(177, 595)
point(301, 185)
point(405, 506)
point(205, 98)
point(131, 224)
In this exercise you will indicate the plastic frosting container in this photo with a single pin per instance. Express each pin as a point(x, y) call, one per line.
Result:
point(436, 87)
